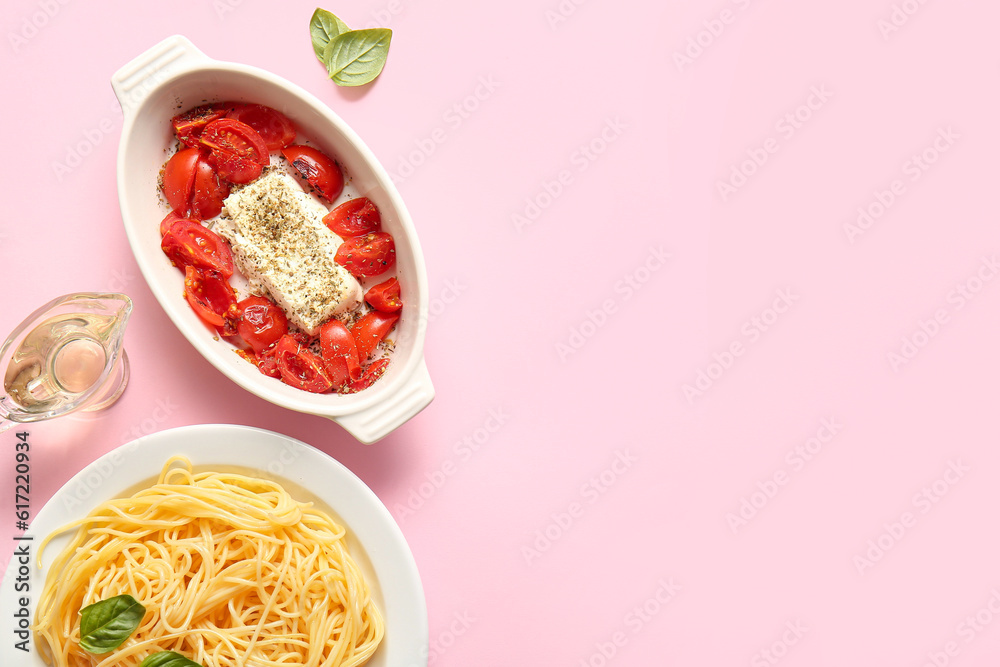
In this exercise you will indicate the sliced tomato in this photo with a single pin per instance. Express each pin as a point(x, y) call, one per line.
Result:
point(301, 368)
point(316, 167)
point(212, 298)
point(189, 125)
point(272, 126)
point(170, 219)
point(189, 243)
point(385, 296)
point(208, 193)
point(368, 255)
point(178, 179)
point(237, 150)
point(374, 371)
point(268, 364)
point(265, 361)
point(262, 323)
point(354, 217)
point(340, 352)
point(370, 329)
point(303, 338)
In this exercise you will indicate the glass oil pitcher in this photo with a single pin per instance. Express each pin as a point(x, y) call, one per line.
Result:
point(66, 356)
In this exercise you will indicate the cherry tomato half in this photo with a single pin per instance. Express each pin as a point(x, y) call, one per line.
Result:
point(272, 126)
point(189, 125)
point(262, 323)
point(265, 361)
point(169, 220)
point(268, 364)
point(374, 371)
point(340, 352)
point(208, 193)
point(189, 243)
point(301, 368)
point(321, 171)
point(368, 255)
point(370, 329)
point(212, 298)
point(178, 179)
point(354, 217)
point(238, 152)
point(302, 338)
point(385, 296)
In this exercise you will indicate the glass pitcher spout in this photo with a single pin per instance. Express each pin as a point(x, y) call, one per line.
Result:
point(66, 356)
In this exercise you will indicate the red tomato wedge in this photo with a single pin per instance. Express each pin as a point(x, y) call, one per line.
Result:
point(262, 323)
point(370, 330)
point(354, 217)
point(189, 243)
point(303, 338)
point(340, 352)
point(237, 150)
point(301, 368)
point(368, 255)
point(178, 179)
point(268, 364)
point(374, 371)
point(385, 296)
point(169, 220)
point(189, 125)
point(316, 167)
point(209, 192)
point(272, 126)
point(212, 298)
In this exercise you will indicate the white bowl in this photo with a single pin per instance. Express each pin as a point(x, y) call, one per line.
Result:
point(174, 76)
point(375, 541)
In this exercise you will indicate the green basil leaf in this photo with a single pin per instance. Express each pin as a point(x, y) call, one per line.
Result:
point(356, 57)
point(105, 625)
point(167, 659)
point(324, 26)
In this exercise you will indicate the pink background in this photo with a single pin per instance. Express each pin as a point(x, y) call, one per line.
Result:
point(595, 517)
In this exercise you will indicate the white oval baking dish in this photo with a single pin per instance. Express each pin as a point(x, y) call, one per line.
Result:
point(173, 76)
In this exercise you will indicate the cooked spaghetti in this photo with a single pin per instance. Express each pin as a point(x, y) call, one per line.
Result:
point(232, 572)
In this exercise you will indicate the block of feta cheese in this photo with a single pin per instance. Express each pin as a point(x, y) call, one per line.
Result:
point(282, 247)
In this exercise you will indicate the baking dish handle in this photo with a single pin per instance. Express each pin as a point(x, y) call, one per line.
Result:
point(134, 81)
point(385, 416)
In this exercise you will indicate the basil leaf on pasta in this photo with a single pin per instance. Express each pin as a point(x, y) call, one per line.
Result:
point(167, 659)
point(105, 625)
